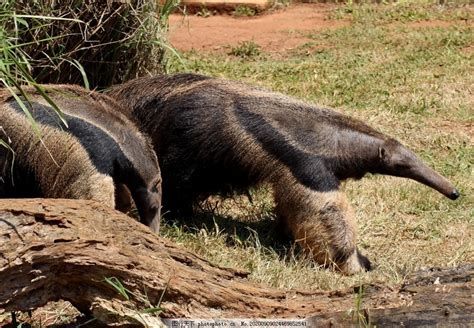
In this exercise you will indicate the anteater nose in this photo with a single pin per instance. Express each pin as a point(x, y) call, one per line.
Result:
point(454, 194)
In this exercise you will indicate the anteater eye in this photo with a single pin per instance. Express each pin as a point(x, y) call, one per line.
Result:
point(156, 186)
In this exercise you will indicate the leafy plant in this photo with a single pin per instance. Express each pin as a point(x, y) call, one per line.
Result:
point(113, 41)
point(362, 317)
point(244, 11)
point(126, 293)
point(246, 49)
point(204, 12)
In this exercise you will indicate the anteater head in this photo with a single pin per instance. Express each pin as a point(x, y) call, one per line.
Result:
point(148, 202)
point(144, 182)
point(397, 160)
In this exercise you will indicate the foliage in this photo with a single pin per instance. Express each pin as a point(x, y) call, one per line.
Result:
point(126, 294)
point(360, 315)
point(246, 49)
point(204, 11)
point(244, 11)
point(109, 42)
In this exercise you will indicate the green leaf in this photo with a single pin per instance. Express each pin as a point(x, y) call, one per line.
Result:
point(41, 90)
point(48, 18)
point(81, 69)
point(24, 108)
point(152, 310)
point(117, 284)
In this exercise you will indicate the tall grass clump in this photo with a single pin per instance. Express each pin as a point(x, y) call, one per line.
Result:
point(107, 41)
point(15, 69)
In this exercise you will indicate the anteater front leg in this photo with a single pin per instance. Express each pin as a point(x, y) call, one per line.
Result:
point(323, 224)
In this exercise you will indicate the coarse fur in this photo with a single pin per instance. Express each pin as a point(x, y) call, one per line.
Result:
point(99, 155)
point(217, 136)
point(39, 167)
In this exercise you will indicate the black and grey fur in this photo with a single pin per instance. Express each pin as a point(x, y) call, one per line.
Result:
point(214, 135)
point(94, 157)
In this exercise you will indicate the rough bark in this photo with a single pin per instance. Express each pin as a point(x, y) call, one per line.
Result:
point(64, 249)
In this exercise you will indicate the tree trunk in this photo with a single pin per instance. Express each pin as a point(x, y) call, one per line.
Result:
point(65, 249)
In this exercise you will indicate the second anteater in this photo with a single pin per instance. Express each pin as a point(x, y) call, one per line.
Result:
point(100, 154)
point(214, 136)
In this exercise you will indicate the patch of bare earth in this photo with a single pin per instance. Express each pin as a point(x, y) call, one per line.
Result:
point(468, 50)
point(277, 31)
point(460, 128)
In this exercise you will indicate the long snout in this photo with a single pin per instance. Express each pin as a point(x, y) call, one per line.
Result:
point(149, 207)
point(152, 212)
point(426, 175)
point(154, 220)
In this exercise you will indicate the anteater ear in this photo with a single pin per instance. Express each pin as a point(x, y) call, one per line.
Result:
point(382, 153)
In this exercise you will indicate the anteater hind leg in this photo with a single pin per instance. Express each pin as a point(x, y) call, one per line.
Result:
point(323, 224)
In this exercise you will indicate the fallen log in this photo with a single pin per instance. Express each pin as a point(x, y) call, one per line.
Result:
point(65, 249)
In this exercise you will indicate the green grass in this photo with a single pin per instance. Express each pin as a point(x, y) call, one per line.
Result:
point(246, 49)
point(405, 11)
point(204, 12)
point(108, 42)
point(412, 81)
point(244, 11)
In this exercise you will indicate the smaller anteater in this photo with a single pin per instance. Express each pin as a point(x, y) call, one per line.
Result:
point(94, 157)
point(214, 135)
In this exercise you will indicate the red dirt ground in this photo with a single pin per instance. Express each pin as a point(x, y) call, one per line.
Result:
point(275, 31)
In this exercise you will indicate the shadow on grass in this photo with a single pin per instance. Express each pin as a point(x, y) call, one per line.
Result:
point(267, 232)
point(263, 229)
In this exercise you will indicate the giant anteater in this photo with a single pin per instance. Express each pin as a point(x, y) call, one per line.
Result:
point(214, 135)
point(98, 150)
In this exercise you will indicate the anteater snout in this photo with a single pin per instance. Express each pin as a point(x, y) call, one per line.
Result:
point(454, 194)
